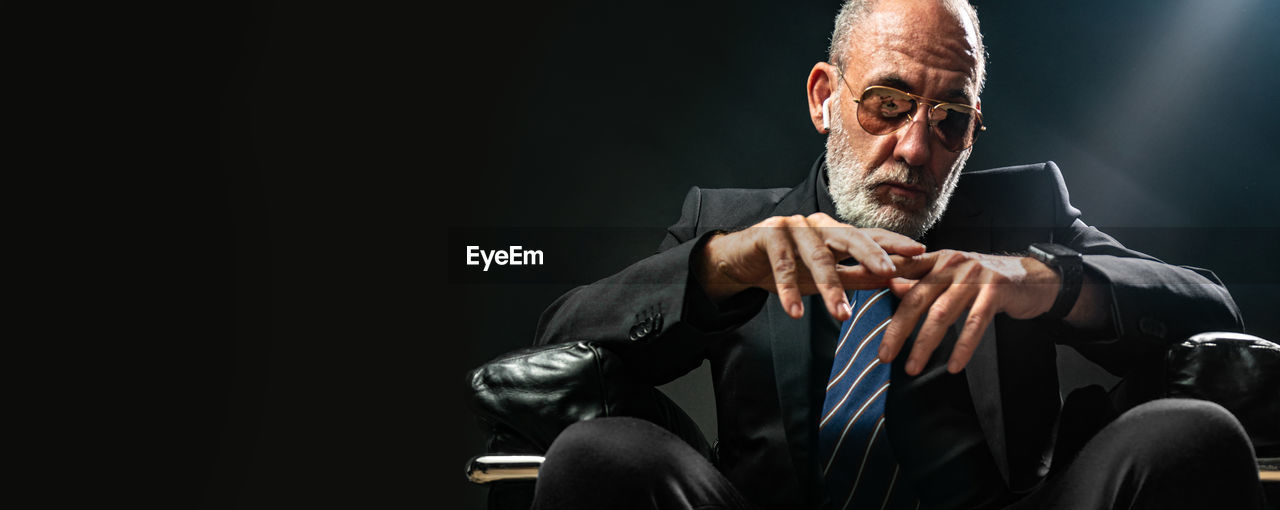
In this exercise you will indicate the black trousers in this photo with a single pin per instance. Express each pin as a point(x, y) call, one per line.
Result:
point(1165, 454)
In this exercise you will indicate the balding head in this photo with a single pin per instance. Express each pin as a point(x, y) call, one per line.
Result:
point(956, 17)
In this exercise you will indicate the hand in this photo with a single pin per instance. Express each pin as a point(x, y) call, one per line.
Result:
point(946, 283)
point(765, 256)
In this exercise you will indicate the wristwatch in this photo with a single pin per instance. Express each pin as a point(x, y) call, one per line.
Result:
point(1070, 267)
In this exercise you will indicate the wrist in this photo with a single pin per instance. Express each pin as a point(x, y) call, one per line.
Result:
point(1045, 281)
point(708, 270)
point(1069, 267)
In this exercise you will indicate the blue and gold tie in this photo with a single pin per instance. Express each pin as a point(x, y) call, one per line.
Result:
point(857, 460)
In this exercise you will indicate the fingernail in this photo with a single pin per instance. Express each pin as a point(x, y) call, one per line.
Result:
point(887, 263)
point(796, 311)
point(954, 367)
point(913, 366)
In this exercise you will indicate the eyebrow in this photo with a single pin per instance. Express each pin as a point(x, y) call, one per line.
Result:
point(895, 81)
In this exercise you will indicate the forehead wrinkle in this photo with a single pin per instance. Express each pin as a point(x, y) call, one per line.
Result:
point(917, 45)
point(931, 60)
point(952, 51)
point(941, 78)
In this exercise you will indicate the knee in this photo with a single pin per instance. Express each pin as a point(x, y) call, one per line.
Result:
point(1182, 417)
point(608, 448)
point(625, 463)
point(1187, 432)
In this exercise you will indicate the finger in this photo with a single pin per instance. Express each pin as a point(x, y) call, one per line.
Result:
point(821, 264)
point(894, 242)
point(860, 278)
point(911, 307)
point(944, 312)
point(891, 242)
point(854, 242)
point(891, 344)
point(857, 244)
point(975, 325)
point(914, 302)
point(782, 263)
point(918, 266)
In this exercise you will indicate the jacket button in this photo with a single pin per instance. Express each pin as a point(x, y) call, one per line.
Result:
point(1152, 326)
point(634, 334)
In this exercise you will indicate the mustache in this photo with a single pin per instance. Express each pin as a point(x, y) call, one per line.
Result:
point(901, 174)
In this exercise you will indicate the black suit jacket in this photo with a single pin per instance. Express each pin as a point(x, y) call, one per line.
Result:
point(976, 438)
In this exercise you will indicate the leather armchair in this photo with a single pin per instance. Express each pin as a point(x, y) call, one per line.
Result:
point(526, 398)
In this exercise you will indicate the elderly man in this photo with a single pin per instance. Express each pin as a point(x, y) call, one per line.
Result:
point(868, 348)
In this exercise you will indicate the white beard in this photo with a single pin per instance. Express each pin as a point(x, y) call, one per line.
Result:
point(853, 188)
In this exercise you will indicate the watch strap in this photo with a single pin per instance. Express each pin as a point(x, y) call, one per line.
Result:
point(1070, 268)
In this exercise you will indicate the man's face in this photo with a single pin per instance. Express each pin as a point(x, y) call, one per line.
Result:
point(901, 181)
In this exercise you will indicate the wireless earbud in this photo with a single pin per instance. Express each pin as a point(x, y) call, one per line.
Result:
point(826, 112)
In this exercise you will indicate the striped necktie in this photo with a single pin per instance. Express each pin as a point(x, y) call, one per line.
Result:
point(857, 460)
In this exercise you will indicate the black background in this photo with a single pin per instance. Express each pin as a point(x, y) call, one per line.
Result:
point(297, 175)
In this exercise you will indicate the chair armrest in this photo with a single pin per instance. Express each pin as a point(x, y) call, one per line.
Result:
point(494, 468)
point(1239, 372)
point(1269, 469)
point(526, 398)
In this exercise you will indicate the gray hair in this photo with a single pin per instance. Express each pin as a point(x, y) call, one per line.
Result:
point(854, 11)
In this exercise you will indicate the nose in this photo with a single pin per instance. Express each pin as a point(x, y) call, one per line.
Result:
point(913, 145)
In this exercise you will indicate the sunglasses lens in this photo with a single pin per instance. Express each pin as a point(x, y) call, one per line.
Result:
point(955, 125)
point(883, 110)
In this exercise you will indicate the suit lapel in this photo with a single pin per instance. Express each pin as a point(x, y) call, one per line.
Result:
point(791, 344)
point(792, 368)
point(983, 376)
point(967, 227)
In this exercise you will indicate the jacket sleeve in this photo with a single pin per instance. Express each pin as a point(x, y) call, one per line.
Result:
point(1152, 304)
point(654, 314)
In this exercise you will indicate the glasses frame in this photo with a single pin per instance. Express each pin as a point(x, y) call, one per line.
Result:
point(920, 100)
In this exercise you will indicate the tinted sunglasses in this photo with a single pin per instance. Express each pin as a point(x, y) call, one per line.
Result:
point(883, 110)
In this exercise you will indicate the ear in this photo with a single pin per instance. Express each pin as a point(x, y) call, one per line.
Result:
point(979, 106)
point(818, 90)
